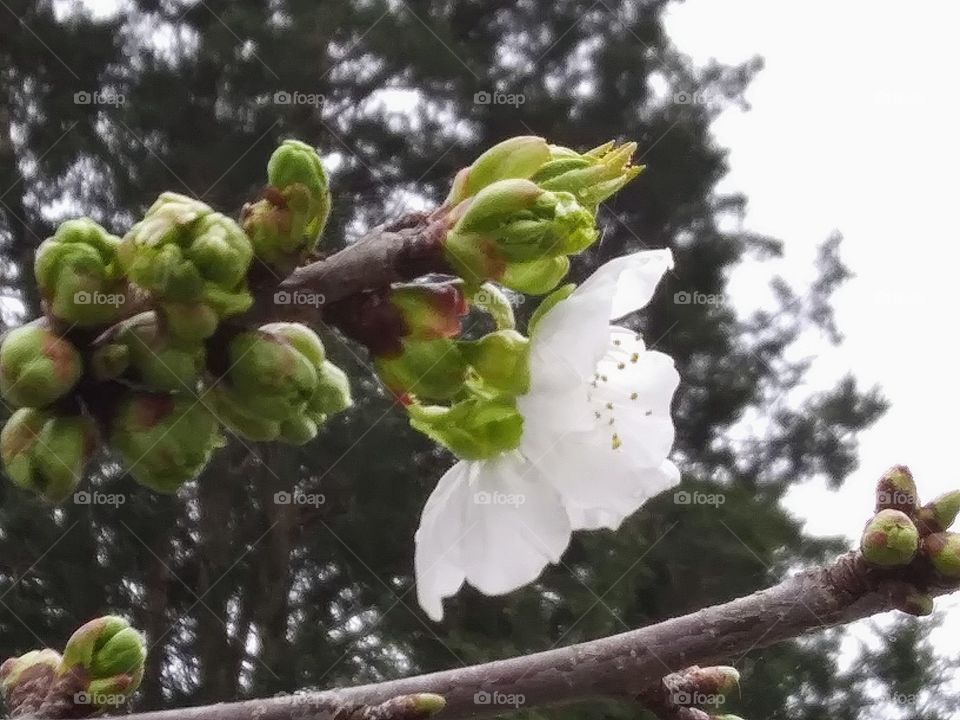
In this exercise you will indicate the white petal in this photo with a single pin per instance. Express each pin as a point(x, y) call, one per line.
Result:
point(572, 336)
point(439, 572)
point(634, 279)
point(648, 482)
point(516, 525)
point(494, 523)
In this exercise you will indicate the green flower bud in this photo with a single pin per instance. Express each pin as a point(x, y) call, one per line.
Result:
point(890, 539)
point(236, 417)
point(719, 680)
point(189, 323)
point(285, 224)
point(916, 604)
point(109, 361)
point(940, 514)
point(302, 338)
point(516, 221)
point(591, 177)
point(472, 429)
point(536, 277)
point(434, 369)
point(110, 655)
point(500, 359)
point(164, 440)
point(298, 430)
point(24, 680)
point(518, 157)
point(297, 163)
point(46, 454)
point(943, 549)
point(430, 311)
point(270, 376)
point(333, 392)
point(897, 490)
point(78, 274)
point(184, 252)
point(159, 362)
point(37, 367)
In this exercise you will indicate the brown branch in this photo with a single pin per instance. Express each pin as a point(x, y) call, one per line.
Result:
point(620, 666)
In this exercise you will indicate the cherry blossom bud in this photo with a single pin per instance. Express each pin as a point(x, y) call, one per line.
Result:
point(37, 367)
point(184, 252)
point(536, 277)
point(189, 322)
point(429, 311)
point(78, 274)
point(890, 539)
point(434, 369)
point(298, 430)
point(472, 429)
point(333, 392)
point(518, 157)
point(284, 225)
point(917, 604)
point(943, 549)
point(500, 359)
point(940, 514)
point(45, 453)
point(160, 363)
point(109, 361)
point(897, 490)
point(514, 221)
point(238, 418)
point(164, 440)
point(24, 680)
point(110, 656)
point(269, 376)
point(302, 338)
point(591, 177)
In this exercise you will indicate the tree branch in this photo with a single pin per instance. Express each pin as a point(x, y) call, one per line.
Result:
point(625, 665)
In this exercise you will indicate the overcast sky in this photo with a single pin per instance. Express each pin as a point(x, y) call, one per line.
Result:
point(853, 127)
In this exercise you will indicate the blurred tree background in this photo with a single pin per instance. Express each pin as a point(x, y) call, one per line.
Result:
point(245, 596)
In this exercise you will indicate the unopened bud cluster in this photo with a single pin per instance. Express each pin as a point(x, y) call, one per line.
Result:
point(903, 532)
point(101, 666)
point(123, 355)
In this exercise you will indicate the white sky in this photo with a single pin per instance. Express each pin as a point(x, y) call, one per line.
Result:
point(853, 127)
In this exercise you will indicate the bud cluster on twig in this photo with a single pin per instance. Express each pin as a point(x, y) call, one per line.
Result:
point(100, 668)
point(902, 534)
point(127, 351)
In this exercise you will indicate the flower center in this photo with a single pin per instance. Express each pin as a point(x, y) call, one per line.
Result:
point(610, 390)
